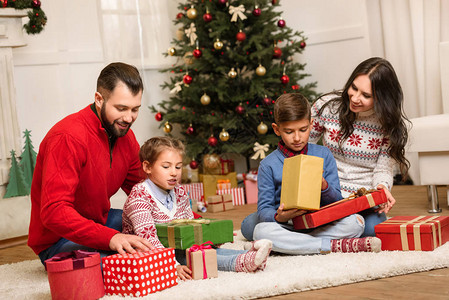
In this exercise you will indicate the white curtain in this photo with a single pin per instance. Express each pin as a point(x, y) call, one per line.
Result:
point(413, 31)
point(135, 31)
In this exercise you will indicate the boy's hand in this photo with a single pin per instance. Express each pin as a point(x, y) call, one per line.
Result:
point(283, 216)
point(324, 184)
point(184, 272)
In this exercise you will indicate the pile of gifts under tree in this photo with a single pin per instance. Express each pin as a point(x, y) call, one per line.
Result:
point(144, 273)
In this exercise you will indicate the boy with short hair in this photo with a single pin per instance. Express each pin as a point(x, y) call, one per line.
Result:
point(292, 117)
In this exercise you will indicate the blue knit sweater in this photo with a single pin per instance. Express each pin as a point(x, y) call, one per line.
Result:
point(269, 181)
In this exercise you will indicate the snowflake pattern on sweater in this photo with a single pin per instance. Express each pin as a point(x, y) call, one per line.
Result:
point(363, 160)
point(142, 211)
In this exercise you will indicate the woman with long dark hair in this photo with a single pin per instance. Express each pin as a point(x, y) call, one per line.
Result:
point(364, 126)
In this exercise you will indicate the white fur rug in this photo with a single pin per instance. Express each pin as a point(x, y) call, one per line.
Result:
point(283, 274)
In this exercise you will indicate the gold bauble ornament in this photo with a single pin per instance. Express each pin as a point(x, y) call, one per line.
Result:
point(211, 161)
point(262, 128)
point(232, 73)
point(192, 13)
point(180, 34)
point(218, 44)
point(205, 99)
point(171, 51)
point(260, 70)
point(188, 58)
point(224, 135)
point(167, 127)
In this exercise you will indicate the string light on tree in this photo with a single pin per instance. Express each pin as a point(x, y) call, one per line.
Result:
point(205, 99)
point(260, 70)
point(224, 135)
point(192, 13)
point(262, 128)
point(158, 116)
point(212, 141)
point(168, 127)
point(232, 73)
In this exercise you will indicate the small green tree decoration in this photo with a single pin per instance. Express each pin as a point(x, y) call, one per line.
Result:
point(16, 186)
point(28, 158)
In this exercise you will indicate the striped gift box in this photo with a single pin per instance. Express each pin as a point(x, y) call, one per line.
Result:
point(238, 195)
point(195, 191)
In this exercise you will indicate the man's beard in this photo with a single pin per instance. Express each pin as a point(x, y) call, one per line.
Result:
point(110, 128)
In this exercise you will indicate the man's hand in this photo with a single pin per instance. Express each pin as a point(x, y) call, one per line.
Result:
point(123, 243)
point(324, 184)
point(184, 273)
point(285, 215)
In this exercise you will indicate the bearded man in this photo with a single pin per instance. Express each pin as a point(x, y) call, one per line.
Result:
point(83, 160)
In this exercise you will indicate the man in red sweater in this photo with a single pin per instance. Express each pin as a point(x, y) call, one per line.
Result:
point(82, 161)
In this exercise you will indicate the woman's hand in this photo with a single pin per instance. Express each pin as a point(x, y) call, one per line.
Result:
point(283, 216)
point(385, 207)
point(184, 273)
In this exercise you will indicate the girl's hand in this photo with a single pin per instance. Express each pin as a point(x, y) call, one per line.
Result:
point(283, 216)
point(385, 207)
point(184, 273)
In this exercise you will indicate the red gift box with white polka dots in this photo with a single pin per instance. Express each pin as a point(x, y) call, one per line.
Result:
point(139, 274)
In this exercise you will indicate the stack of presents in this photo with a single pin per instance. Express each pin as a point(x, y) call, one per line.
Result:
point(147, 272)
point(217, 188)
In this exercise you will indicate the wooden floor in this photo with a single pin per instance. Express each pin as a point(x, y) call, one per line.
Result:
point(411, 200)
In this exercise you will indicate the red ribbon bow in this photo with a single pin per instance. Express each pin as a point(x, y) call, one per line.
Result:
point(195, 248)
point(76, 256)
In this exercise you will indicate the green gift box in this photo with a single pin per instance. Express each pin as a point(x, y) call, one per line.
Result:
point(182, 234)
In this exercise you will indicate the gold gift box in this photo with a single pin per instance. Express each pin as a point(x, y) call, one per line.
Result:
point(301, 182)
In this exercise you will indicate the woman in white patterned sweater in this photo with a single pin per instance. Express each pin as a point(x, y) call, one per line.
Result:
point(159, 199)
point(364, 127)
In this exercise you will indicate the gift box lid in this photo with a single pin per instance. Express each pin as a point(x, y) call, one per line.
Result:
point(67, 261)
point(425, 224)
point(138, 255)
point(216, 231)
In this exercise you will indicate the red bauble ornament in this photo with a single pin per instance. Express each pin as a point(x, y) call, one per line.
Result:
point(240, 109)
point(3, 3)
point(267, 101)
point(190, 130)
point(302, 45)
point(187, 79)
point(207, 17)
point(179, 15)
point(281, 23)
point(158, 117)
point(212, 141)
point(197, 53)
point(36, 3)
point(222, 2)
point(257, 11)
point(240, 36)
point(277, 53)
point(274, 2)
point(285, 79)
point(193, 164)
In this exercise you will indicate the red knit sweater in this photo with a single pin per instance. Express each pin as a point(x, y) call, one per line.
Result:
point(74, 177)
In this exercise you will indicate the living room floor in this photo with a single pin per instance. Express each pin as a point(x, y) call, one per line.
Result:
point(410, 201)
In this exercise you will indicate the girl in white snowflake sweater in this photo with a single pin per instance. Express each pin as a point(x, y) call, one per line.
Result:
point(364, 127)
point(159, 199)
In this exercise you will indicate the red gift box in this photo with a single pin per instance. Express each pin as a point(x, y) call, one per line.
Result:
point(238, 196)
point(195, 191)
point(227, 166)
point(75, 275)
point(413, 233)
point(141, 273)
point(251, 191)
point(338, 210)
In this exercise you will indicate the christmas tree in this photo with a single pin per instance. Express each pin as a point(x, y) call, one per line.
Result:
point(16, 185)
point(28, 159)
point(234, 58)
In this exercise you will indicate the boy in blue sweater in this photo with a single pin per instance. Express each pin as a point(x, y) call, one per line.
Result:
point(293, 124)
